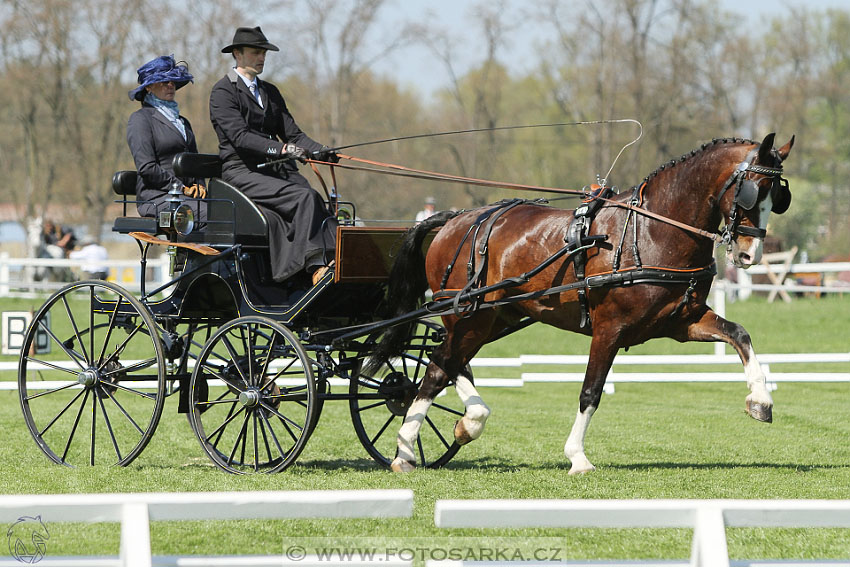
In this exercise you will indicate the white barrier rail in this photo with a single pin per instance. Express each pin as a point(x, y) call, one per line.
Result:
point(157, 266)
point(708, 518)
point(135, 511)
point(745, 286)
point(581, 360)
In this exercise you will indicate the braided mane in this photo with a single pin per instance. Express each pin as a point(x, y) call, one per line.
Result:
point(692, 153)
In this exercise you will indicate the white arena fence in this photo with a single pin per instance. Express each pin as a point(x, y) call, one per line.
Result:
point(719, 357)
point(9, 368)
point(16, 274)
point(708, 519)
point(135, 512)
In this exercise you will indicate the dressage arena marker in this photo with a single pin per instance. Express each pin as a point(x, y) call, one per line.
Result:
point(708, 518)
point(135, 511)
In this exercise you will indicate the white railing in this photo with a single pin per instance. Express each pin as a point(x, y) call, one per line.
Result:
point(16, 273)
point(580, 361)
point(745, 286)
point(708, 518)
point(135, 512)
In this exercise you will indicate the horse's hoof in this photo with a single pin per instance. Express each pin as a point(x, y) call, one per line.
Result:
point(402, 466)
point(462, 436)
point(759, 411)
point(581, 469)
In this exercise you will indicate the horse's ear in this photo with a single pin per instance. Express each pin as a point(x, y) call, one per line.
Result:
point(766, 147)
point(786, 149)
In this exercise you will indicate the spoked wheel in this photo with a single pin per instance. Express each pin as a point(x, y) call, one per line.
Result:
point(91, 377)
point(256, 413)
point(379, 403)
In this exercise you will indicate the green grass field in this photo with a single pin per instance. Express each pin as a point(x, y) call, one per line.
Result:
point(647, 441)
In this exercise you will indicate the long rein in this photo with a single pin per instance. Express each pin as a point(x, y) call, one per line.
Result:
point(404, 171)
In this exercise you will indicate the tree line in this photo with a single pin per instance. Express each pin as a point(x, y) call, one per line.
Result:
point(688, 72)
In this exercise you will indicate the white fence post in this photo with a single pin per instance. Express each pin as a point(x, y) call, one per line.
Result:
point(719, 307)
point(709, 547)
point(4, 274)
point(135, 535)
point(745, 282)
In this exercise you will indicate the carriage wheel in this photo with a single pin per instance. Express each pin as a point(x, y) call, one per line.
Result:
point(256, 413)
point(379, 403)
point(91, 377)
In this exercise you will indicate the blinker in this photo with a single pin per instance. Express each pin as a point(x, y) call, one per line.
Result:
point(747, 194)
point(780, 195)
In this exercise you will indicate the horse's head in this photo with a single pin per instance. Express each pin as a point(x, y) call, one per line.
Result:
point(755, 189)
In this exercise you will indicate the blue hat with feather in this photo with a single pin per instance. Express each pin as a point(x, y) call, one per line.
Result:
point(160, 70)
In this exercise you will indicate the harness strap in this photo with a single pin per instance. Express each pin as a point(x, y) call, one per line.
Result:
point(477, 278)
point(472, 228)
point(629, 276)
point(576, 238)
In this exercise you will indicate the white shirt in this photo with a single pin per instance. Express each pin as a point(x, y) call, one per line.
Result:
point(251, 83)
point(94, 258)
point(424, 214)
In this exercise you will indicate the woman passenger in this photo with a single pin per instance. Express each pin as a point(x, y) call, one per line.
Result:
point(156, 133)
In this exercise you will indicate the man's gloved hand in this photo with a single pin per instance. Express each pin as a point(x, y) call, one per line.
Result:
point(195, 191)
point(326, 154)
point(294, 152)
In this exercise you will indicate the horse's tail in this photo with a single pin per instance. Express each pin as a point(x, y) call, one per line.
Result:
point(407, 285)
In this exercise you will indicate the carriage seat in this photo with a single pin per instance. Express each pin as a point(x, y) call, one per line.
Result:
point(124, 185)
point(233, 218)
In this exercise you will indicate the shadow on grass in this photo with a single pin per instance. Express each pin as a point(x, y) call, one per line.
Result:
point(496, 464)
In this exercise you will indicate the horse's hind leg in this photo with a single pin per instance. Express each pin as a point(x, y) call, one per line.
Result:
point(433, 382)
point(712, 327)
point(405, 460)
point(463, 340)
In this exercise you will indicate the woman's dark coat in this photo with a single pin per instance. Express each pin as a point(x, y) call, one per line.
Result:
point(154, 141)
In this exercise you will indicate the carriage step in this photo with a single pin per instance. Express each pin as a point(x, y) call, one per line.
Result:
point(151, 239)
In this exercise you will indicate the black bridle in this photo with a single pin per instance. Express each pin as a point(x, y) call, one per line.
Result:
point(747, 196)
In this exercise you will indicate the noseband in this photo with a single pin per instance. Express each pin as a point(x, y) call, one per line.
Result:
point(747, 194)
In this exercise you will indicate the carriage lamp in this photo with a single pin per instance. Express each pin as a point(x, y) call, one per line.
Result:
point(179, 217)
point(180, 220)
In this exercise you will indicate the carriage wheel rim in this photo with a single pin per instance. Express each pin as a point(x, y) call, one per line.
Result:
point(245, 429)
point(91, 401)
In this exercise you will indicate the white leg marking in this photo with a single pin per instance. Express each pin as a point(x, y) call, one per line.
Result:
point(756, 381)
point(407, 435)
point(471, 424)
point(574, 448)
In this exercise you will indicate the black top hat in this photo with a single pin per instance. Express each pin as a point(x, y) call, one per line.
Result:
point(250, 37)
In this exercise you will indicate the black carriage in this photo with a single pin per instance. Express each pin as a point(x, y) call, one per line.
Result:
point(250, 361)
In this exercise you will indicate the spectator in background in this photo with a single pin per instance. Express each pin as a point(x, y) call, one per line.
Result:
point(430, 204)
point(94, 257)
point(56, 242)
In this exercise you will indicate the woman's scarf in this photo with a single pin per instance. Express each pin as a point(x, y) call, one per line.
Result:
point(169, 109)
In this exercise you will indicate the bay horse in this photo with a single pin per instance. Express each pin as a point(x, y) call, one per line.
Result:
point(649, 269)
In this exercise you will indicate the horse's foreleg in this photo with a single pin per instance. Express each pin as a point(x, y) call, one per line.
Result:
point(601, 357)
point(712, 327)
point(470, 426)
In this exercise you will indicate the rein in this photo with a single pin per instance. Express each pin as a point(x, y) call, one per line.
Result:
point(403, 171)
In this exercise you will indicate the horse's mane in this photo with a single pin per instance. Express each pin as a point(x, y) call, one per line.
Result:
point(708, 145)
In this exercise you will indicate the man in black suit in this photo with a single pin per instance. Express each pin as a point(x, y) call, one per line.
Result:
point(156, 133)
point(254, 126)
